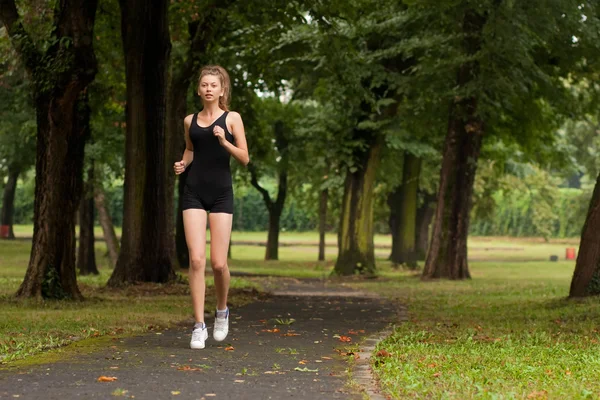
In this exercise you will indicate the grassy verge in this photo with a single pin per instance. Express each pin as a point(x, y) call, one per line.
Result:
point(28, 328)
point(509, 333)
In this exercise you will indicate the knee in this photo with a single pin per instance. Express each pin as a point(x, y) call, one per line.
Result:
point(198, 263)
point(218, 267)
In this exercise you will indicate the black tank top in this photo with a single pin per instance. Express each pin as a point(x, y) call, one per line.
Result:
point(210, 168)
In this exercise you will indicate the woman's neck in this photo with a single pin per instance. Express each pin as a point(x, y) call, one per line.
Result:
point(211, 109)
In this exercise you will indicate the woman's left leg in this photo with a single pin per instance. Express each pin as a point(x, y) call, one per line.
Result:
point(220, 233)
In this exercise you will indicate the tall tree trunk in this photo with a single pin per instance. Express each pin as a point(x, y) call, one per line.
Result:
point(8, 205)
point(404, 249)
point(108, 229)
point(586, 278)
point(425, 215)
point(202, 33)
point(356, 250)
point(60, 77)
point(275, 208)
point(323, 198)
point(145, 245)
point(86, 256)
point(447, 256)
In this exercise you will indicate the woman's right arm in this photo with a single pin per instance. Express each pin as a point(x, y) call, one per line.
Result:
point(188, 153)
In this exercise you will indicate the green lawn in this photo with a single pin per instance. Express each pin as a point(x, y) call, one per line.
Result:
point(509, 333)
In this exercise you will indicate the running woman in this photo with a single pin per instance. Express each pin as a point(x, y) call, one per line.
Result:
point(211, 136)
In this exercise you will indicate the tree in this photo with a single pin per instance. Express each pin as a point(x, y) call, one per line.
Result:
point(86, 256)
point(59, 75)
point(496, 45)
point(404, 228)
point(145, 248)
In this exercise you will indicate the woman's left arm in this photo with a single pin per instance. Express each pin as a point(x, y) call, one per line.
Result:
point(239, 151)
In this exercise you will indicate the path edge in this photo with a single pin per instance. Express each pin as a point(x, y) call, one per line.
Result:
point(361, 372)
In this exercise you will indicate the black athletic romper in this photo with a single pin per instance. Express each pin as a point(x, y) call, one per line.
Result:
point(208, 184)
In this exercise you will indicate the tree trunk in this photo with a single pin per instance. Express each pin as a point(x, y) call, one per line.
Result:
point(108, 229)
point(447, 256)
point(8, 205)
point(275, 208)
point(272, 251)
point(356, 250)
point(145, 245)
point(60, 77)
point(586, 278)
point(425, 215)
point(323, 198)
point(404, 250)
point(86, 257)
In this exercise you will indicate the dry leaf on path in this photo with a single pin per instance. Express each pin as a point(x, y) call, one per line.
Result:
point(188, 368)
point(345, 339)
point(107, 378)
point(230, 348)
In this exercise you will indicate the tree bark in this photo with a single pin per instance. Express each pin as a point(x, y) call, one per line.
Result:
point(145, 245)
point(8, 204)
point(60, 77)
point(86, 256)
point(356, 250)
point(323, 198)
point(447, 256)
point(425, 215)
point(404, 249)
point(586, 278)
point(108, 229)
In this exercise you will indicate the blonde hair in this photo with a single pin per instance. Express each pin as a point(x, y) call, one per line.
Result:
point(221, 72)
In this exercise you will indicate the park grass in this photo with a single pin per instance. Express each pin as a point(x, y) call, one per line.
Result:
point(509, 333)
point(28, 327)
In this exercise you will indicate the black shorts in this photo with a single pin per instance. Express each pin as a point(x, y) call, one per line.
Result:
point(211, 200)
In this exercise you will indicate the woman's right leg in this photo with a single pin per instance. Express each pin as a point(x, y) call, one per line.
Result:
point(194, 224)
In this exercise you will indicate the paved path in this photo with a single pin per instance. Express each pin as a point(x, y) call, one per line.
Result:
point(263, 364)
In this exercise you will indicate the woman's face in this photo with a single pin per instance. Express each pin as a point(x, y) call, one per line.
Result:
point(210, 88)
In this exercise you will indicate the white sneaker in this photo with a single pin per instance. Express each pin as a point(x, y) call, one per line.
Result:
point(221, 328)
point(199, 336)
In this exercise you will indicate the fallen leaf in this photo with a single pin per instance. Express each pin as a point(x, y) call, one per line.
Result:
point(290, 334)
point(175, 392)
point(537, 395)
point(275, 330)
point(188, 368)
point(239, 381)
point(107, 378)
point(305, 369)
point(326, 358)
point(303, 362)
point(432, 365)
point(567, 372)
point(437, 374)
point(383, 353)
point(230, 348)
point(345, 339)
point(114, 367)
point(352, 332)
